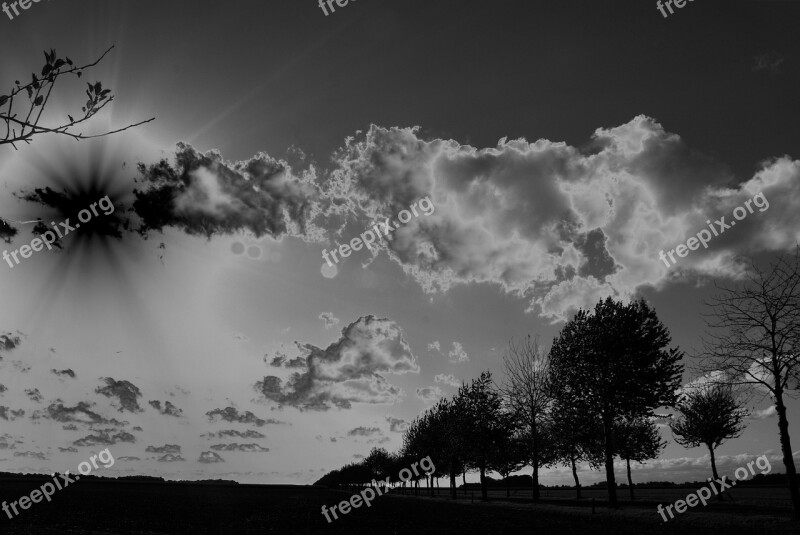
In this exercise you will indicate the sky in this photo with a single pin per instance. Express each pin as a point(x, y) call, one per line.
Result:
point(198, 332)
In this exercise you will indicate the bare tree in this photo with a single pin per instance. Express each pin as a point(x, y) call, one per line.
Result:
point(527, 395)
point(33, 97)
point(709, 415)
point(754, 339)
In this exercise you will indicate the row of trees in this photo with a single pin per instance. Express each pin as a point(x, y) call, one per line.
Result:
point(593, 397)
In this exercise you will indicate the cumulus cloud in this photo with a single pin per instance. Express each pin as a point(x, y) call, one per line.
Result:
point(105, 438)
point(429, 394)
point(34, 395)
point(435, 346)
point(329, 319)
point(349, 370)
point(11, 414)
point(249, 448)
point(231, 414)
point(396, 425)
point(364, 432)
point(208, 457)
point(557, 225)
point(168, 410)
point(166, 448)
point(9, 341)
point(457, 354)
point(80, 413)
point(170, 458)
point(448, 379)
point(202, 194)
point(250, 433)
point(63, 373)
point(125, 392)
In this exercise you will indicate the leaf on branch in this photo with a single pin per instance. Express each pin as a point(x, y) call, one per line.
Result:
point(70, 118)
point(39, 100)
point(3, 99)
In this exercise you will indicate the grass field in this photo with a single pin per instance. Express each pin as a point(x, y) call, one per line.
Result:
point(101, 507)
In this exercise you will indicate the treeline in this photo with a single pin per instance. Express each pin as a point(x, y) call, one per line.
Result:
point(592, 398)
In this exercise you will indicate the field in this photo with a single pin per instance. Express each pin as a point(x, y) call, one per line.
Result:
point(103, 507)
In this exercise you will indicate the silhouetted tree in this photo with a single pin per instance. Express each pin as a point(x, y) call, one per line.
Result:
point(637, 440)
point(526, 394)
point(754, 339)
point(614, 363)
point(576, 437)
point(709, 415)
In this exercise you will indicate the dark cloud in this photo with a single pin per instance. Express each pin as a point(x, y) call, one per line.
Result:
point(364, 432)
point(203, 195)
point(250, 448)
point(166, 448)
point(168, 410)
point(250, 433)
point(126, 392)
point(34, 395)
point(396, 425)
point(69, 427)
point(231, 414)
point(69, 449)
point(170, 458)
point(210, 457)
point(11, 414)
point(64, 373)
point(7, 232)
point(80, 413)
point(105, 438)
point(9, 341)
point(33, 454)
point(2, 389)
point(349, 370)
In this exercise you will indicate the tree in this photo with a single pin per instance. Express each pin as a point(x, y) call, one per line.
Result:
point(754, 339)
point(637, 440)
point(526, 393)
point(615, 364)
point(510, 455)
point(487, 427)
point(709, 415)
point(576, 437)
point(34, 96)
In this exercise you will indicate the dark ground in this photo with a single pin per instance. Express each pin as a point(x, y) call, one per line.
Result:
point(148, 507)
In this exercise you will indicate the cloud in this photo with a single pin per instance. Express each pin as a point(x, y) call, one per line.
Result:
point(201, 194)
point(329, 319)
point(396, 425)
point(763, 414)
point(429, 394)
point(68, 450)
point(80, 413)
point(166, 448)
point(7, 232)
point(9, 341)
point(11, 414)
point(231, 414)
point(250, 433)
point(768, 62)
point(35, 455)
point(208, 457)
point(249, 448)
point(448, 379)
point(557, 225)
point(3, 388)
point(170, 458)
point(34, 395)
point(435, 346)
point(168, 410)
point(364, 432)
point(457, 354)
point(349, 370)
point(105, 438)
point(63, 373)
point(128, 458)
point(126, 393)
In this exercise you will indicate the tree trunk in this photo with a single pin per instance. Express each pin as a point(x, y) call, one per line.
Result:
point(535, 460)
point(630, 481)
point(464, 479)
point(609, 447)
point(786, 449)
point(452, 479)
point(484, 495)
point(713, 462)
point(575, 476)
point(433, 492)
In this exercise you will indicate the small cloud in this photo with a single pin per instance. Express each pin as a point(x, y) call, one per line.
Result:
point(9, 341)
point(208, 457)
point(396, 425)
point(32, 454)
point(168, 410)
point(457, 354)
point(170, 458)
point(329, 319)
point(250, 433)
point(105, 438)
point(364, 432)
point(768, 62)
point(128, 458)
point(126, 393)
point(166, 448)
point(231, 414)
point(11, 414)
point(249, 448)
point(448, 379)
point(429, 394)
point(34, 395)
point(435, 346)
point(63, 373)
point(763, 414)
point(69, 449)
